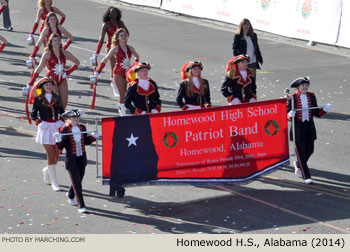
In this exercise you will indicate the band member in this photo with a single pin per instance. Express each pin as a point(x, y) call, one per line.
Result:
point(111, 23)
point(51, 26)
point(142, 96)
point(55, 58)
point(3, 44)
point(123, 53)
point(74, 140)
point(49, 106)
point(305, 131)
point(239, 85)
point(45, 6)
point(193, 89)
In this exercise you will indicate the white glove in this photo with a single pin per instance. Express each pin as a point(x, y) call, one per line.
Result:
point(291, 113)
point(59, 124)
point(154, 111)
point(327, 107)
point(192, 107)
point(96, 74)
point(252, 100)
point(143, 112)
point(95, 134)
point(58, 137)
point(29, 88)
point(235, 101)
point(95, 55)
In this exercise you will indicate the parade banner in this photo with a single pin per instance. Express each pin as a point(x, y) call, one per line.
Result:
point(151, 3)
point(223, 144)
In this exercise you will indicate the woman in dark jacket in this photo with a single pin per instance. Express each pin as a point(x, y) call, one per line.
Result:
point(245, 41)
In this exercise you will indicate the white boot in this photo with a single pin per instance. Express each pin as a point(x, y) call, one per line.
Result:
point(122, 109)
point(114, 87)
point(53, 178)
point(46, 176)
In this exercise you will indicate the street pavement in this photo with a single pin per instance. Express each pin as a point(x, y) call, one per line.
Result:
point(278, 203)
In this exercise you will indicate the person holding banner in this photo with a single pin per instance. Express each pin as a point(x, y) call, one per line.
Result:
point(74, 138)
point(111, 23)
point(194, 91)
point(3, 44)
point(245, 41)
point(305, 108)
point(55, 58)
point(123, 53)
point(239, 85)
point(51, 26)
point(49, 106)
point(45, 6)
point(142, 96)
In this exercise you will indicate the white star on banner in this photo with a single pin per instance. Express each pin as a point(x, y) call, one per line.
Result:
point(132, 140)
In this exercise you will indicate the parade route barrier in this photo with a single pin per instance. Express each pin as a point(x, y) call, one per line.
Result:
point(228, 144)
point(312, 20)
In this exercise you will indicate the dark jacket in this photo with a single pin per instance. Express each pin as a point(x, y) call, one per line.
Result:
point(69, 144)
point(51, 112)
point(239, 46)
point(138, 100)
point(196, 98)
point(235, 87)
point(312, 102)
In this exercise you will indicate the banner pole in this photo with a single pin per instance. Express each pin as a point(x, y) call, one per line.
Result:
point(96, 149)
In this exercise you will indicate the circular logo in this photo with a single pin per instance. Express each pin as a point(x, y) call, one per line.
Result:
point(265, 4)
point(306, 9)
point(271, 127)
point(170, 139)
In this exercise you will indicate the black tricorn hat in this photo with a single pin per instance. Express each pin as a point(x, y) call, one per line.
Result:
point(72, 113)
point(45, 80)
point(142, 65)
point(193, 64)
point(299, 81)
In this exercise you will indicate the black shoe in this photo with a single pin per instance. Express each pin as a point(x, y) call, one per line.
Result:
point(121, 193)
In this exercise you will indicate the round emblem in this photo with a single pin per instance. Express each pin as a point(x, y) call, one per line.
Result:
point(273, 124)
point(170, 139)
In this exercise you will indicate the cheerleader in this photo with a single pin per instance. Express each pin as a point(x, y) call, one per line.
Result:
point(194, 91)
point(142, 96)
point(51, 26)
point(46, 113)
point(55, 58)
point(45, 6)
point(111, 23)
point(3, 43)
point(123, 53)
point(305, 131)
point(239, 85)
point(74, 141)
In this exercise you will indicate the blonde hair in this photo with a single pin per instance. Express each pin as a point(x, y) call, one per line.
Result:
point(41, 3)
point(190, 86)
point(115, 41)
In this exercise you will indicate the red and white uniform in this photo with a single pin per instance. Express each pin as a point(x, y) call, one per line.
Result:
point(43, 17)
point(110, 31)
point(56, 67)
point(122, 61)
point(58, 32)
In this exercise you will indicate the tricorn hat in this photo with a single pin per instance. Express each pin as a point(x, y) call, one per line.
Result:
point(188, 66)
point(43, 81)
point(300, 80)
point(235, 60)
point(142, 65)
point(72, 113)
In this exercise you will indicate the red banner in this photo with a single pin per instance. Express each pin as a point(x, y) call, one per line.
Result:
point(229, 143)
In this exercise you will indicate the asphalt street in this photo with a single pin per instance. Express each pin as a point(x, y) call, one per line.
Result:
point(278, 203)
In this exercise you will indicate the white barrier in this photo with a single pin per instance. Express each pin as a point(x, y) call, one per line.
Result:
point(151, 3)
point(316, 20)
point(344, 32)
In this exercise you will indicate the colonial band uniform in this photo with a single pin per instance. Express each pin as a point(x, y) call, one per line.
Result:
point(304, 126)
point(194, 94)
point(237, 85)
point(142, 95)
point(75, 160)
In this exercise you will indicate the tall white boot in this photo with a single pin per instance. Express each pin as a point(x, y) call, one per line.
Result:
point(46, 176)
point(122, 109)
point(53, 178)
point(114, 87)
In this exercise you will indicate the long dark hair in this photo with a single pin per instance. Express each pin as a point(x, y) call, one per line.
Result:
point(49, 42)
point(240, 27)
point(106, 16)
point(55, 96)
point(50, 14)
